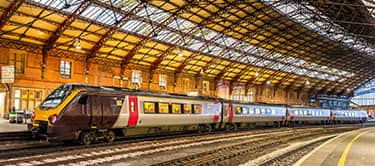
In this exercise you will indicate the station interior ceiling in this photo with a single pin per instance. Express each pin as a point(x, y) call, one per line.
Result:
point(323, 46)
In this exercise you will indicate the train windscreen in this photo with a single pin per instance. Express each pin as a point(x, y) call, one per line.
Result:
point(56, 97)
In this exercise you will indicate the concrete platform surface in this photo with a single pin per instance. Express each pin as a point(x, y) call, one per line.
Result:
point(355, 148)
point(5, 126)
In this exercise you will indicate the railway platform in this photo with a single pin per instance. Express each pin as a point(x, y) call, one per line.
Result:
point(353, 148)
point(5, 126)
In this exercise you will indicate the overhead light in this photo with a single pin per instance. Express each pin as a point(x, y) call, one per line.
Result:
point(307, 82)
point(256, 74)
point(268, 82)
point(78, 46)
point(40, 32)
point(180, 53)
point(202, 71)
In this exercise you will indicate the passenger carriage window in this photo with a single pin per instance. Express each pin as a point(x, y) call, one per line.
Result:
point(263, 111)
point(197, 109)
point(238, 110)
point(251, 111)
point(187, 108)
point(163, 108)
point(245, 110)
point(176, 108)
point(268, 111)
point(149, 107)
point(118, 102)
point(83, 99)
point(257, 110)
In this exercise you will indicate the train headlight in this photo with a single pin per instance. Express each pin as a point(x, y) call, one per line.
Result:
point(52, 119)
point(32, 117)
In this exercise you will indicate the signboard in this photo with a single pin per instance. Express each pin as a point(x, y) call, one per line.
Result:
point(7, 74)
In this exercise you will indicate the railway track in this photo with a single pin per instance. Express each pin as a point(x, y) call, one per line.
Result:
point(21, 149)
point(47, 148)
point(15, 136)
point(128, 149)
point(291, 156)
point(234, 154)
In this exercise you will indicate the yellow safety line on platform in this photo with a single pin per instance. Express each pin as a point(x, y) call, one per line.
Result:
point(347, 148)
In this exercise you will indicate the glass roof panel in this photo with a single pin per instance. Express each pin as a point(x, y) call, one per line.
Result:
point(172, 34)
point(313, 16)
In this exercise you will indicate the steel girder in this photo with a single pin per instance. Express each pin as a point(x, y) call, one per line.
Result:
point(13, 7)
point(53, 38)
point(109, 32)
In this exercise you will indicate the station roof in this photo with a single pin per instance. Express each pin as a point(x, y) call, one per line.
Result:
point(293, 45)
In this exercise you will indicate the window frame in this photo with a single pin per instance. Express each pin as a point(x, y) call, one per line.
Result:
point(136, 77)
point(195, 110)
point(64, 69)
point(159, 108)
point(144, 107)
point(205, 87)
point(173, 107)
point(163, 81)
point(14, 59)
point(189, 106)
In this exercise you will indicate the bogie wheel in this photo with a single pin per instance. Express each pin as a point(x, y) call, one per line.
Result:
point(209, 128)
point(87, 137)
point(110, 136)
point(231, 127)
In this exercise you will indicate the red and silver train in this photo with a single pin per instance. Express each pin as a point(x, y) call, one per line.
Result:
point(89, 113)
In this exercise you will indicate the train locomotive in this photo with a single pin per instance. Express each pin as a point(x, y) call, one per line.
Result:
point(85, 113)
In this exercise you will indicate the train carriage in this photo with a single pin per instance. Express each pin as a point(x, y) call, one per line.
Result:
point(348, 116)
point(74, 112)
point(308, 115)
point(254, 114)
point(161, 113)
point(89, 113)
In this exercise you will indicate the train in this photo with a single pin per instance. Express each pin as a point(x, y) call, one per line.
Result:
point(87, 113)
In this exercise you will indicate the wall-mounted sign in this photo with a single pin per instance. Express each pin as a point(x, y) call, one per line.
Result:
point(7, 74)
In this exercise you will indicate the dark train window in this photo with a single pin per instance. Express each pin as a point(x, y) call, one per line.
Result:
point(176, 108)
point(83, 99)
point(257, 111)
point(163, 108)
point(197, 109)
point(149, 107)
point(238, 110)
point(245, 110)
point(187, 108)
point(268, 111)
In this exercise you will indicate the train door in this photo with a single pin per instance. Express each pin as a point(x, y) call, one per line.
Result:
point(96, 111)
point(133, 111)
point(85, 117)
point(230, 112)
point(111, 106)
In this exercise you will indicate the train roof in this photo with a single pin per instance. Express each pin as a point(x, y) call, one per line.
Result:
point(137, 92)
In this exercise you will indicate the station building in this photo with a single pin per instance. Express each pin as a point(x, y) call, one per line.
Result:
point(261, 51)
point(30, 87)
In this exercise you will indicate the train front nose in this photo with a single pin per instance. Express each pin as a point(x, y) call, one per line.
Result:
point(39, 124)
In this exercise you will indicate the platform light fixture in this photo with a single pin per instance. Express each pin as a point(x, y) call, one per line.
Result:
point(180, 53)
point(78, 46)
point(40, 32)
point(307, 82)
point(268, 82)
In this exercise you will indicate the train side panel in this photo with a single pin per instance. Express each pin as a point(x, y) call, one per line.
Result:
point(255, 113)
point(194, 112)
point(308, 114)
